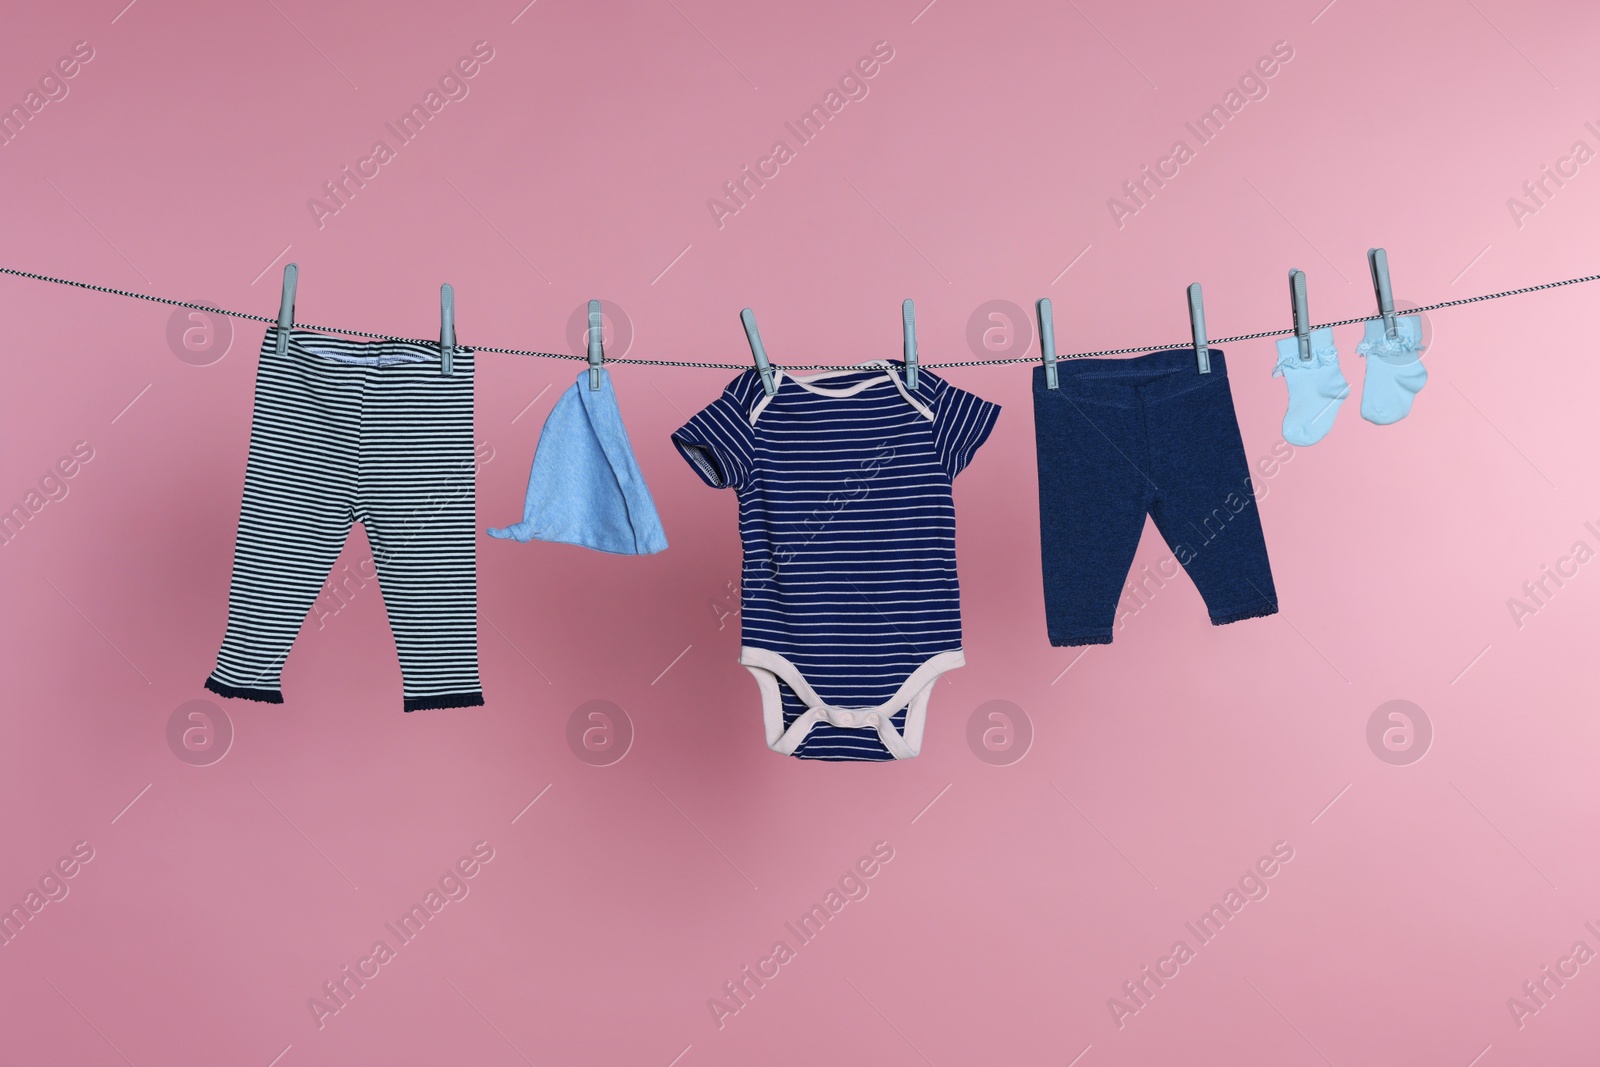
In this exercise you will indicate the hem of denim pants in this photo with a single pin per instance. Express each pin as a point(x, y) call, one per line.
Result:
point(444, 700)
point(1098, 637)
point(265, 696)
point(1264, 608)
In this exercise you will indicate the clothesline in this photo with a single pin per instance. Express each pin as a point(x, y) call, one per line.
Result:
point(798, 366)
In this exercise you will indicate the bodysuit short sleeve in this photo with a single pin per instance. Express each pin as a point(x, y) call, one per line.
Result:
point(717, 442)
point(961, 423)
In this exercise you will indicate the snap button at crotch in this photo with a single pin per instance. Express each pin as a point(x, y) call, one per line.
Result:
point(854, 718)
point(848, 717)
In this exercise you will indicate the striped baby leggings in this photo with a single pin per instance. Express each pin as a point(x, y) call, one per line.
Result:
point(346, 432)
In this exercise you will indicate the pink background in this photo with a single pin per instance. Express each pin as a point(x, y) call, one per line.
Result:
point(1020, 897)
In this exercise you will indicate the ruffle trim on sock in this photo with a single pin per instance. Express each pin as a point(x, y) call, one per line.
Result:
point(1388, 350)
point(1321, 356)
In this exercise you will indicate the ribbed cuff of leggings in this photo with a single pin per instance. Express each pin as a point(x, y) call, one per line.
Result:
point(265, 696)
point(444, 700)
point(1093, 637)
point(1255, 611)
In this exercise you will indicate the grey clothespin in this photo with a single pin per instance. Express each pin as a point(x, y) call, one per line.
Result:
point(1047, 342)
point(447, 329)
point(759, 351)
point(908, 320)
point(1197, 326)
point(1378, 263)
point(1302, 312)
point(596, 349)
point(291, 280)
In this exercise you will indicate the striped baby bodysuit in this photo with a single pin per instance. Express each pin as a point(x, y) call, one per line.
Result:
point(850, 605)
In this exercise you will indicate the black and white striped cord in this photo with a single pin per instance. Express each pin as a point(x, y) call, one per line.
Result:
point(1217, 342)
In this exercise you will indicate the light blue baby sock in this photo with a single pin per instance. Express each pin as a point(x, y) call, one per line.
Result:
point(1395, 373)
point(1316, 387)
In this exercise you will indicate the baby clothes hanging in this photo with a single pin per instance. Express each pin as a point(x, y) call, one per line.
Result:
point(1317, 386)
point(585, 487)
point(1124, 438)
point(369, 432)
point(1395, 373)
point(851, 608)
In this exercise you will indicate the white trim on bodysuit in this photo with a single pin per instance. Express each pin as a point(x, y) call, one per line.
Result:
point(769, 667)
point(807, 383)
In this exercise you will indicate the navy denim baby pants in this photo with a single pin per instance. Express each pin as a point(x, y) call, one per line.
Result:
point(1124, 438)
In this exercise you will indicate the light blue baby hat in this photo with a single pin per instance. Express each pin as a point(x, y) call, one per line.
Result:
point(585, 487)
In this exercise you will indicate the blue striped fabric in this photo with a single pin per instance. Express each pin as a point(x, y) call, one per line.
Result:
point(848, 528)
point(348, 431)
